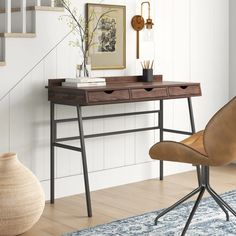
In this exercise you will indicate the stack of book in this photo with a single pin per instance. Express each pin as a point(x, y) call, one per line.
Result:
point(84, 82)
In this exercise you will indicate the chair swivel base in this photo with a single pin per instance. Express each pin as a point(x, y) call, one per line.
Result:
point(204, 186)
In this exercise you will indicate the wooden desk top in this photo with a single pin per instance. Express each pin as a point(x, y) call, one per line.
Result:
point(120, 90)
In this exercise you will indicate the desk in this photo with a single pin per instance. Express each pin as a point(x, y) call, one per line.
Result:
point(118, 90)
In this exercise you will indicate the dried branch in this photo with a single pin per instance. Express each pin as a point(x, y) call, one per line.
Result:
point(75, 22)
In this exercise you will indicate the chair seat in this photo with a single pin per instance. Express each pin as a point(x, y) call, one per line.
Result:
point(195, 141)
point(190, 150)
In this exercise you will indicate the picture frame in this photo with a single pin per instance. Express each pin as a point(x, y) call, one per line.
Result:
point(108, 50)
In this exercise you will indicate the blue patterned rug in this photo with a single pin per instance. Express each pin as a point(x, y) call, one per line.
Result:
point(208, 220)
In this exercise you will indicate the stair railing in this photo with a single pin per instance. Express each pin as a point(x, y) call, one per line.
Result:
point(23, 6)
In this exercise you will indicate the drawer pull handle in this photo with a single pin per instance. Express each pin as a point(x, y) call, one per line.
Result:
point(183, 87)
point(148, 89)
point(109, 91)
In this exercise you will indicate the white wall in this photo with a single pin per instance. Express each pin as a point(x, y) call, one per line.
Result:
point(210, 53)
point(232, 47)
point(191, 44)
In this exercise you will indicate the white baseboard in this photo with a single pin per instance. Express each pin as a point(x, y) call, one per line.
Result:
point(113, 177)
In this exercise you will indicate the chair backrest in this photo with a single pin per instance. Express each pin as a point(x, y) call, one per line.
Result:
point(220, 135)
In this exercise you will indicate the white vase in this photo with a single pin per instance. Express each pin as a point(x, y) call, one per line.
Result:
point(22, 198)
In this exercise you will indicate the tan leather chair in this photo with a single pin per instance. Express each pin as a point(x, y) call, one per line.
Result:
point(214, 146)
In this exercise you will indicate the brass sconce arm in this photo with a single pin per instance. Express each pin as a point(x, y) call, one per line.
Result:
point(149, 22)
point(148, 8)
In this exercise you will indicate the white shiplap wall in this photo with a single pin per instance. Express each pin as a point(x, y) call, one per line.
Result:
point(232, 47)
point(191, 45)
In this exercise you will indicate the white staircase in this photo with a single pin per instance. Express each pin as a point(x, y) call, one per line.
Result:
point(17, 20)
point(23, 47)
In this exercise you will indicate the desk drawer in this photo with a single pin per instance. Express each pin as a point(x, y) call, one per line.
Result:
point(108, 95)
point(184, 90)
point(66, 98)
point(148, 93)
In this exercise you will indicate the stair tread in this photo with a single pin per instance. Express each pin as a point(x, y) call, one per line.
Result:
point(2, 63)
point(48, 8)
point(18, 35)
point(36, 8)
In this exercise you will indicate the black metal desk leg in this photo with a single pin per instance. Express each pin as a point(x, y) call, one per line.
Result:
point(190, 107)
point(85, 168)
point(52, 157)
point(160, 121)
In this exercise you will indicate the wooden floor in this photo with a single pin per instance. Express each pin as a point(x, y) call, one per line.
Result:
point(69, 214)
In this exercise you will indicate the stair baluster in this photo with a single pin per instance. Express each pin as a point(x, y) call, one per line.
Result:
point(8, 16)
point(23, 15)
point(38, 2)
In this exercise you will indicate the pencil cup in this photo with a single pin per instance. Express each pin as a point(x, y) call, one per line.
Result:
point(147, 75)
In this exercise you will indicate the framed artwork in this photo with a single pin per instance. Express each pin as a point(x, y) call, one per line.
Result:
point(108, 47)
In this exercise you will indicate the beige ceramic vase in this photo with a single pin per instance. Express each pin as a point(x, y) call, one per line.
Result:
point(22, 198)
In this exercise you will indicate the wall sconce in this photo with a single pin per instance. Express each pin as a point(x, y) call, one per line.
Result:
point(138, 24)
